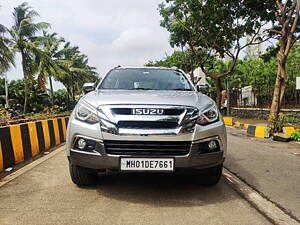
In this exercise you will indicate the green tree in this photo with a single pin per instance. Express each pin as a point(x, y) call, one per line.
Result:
point(47, 69)
point(6, 52)
point(75, 70)
point(180, 59)
point(24, 39)
point(61, 99)
point(215, 29)
point(293, 71)
point(38, 99)
point(286, 30)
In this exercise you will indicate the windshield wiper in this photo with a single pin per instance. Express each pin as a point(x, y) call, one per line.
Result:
point(181, 89)
point(141, 89)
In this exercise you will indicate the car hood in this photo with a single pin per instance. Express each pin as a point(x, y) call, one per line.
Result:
point(144, 97)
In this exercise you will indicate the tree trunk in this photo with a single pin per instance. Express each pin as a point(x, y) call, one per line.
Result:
point(51, 90)
point(26, 88)
point(288, 18)
point(280, 85)
point(219, 90)
point(276, 97)
point(284, 85)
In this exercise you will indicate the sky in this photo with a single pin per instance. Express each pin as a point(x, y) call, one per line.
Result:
point(110, 33)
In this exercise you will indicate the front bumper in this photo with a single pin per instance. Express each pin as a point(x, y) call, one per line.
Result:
point(113, 163)
point(100, 160)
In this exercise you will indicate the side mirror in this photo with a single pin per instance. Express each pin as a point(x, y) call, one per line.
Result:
point(202, 88)
point(88, 87)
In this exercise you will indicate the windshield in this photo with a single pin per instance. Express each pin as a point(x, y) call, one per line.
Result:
point(146, 79)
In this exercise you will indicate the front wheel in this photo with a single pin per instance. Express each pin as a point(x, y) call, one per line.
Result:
point(82, 176)
point(213, 175)
point(210, 176)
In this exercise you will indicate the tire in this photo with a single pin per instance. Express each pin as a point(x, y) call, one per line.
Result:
point(210, 176)
point(213, 175)
point(82, 176)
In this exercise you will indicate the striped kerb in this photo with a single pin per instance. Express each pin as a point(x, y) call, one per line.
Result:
point(51, 133)
point(16, 138)
point(61, 132)
point(34, 142)
point(46, 134)
point(40, 135)
point(56, 132)
point(228, 121)
point(7, 148)
point(67, 121)
point(260, 132)
point(64, 126)
point(26, 141)
point(23, 141)
point(251, 130)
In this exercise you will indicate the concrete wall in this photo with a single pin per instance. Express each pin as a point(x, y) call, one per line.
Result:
point(258, 113)
point(23, 141)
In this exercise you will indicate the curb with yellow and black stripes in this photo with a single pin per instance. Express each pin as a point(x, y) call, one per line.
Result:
point(21, 142)
point(255, 130)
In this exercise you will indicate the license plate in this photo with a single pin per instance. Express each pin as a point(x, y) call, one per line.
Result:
point(147, 164)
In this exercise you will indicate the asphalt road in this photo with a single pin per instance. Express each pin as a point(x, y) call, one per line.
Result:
point(46, 195)
point(270, 167)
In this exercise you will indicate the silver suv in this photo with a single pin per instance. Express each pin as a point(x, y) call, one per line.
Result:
point(145, 119)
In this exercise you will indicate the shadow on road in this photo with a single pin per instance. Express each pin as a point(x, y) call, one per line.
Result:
point(166, 190)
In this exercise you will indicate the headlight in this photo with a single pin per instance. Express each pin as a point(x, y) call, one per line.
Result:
point(208, 116)
point(85, 114)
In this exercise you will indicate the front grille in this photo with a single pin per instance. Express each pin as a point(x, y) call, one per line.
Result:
point(147, 125)
point(128, 111)
point(147, 148)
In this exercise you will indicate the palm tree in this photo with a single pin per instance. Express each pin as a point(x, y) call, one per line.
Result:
point(75, 70)
point(65, 62)
point(48, 67)
point(81, 73)
point(24, 39)
point(6, 51)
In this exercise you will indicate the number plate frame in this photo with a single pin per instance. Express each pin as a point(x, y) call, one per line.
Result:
point(149, 159)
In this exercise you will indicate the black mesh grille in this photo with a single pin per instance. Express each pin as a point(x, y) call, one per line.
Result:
point(147, 124)
point(147, 148)
point(128, 111)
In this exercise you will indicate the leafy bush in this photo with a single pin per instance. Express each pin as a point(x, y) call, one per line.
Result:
point(4, 114)
point(53, 110)
point(292, 120)
point(39, 100)
point(296, 135)
point(61, 99)
point(276, 123)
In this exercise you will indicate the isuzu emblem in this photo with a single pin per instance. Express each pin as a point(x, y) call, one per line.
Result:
point(147, 111)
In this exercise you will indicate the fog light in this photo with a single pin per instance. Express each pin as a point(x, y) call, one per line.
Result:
point(81, 144)
point(212, 145)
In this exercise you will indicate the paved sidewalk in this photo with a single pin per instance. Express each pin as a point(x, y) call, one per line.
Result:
point(269, 167)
